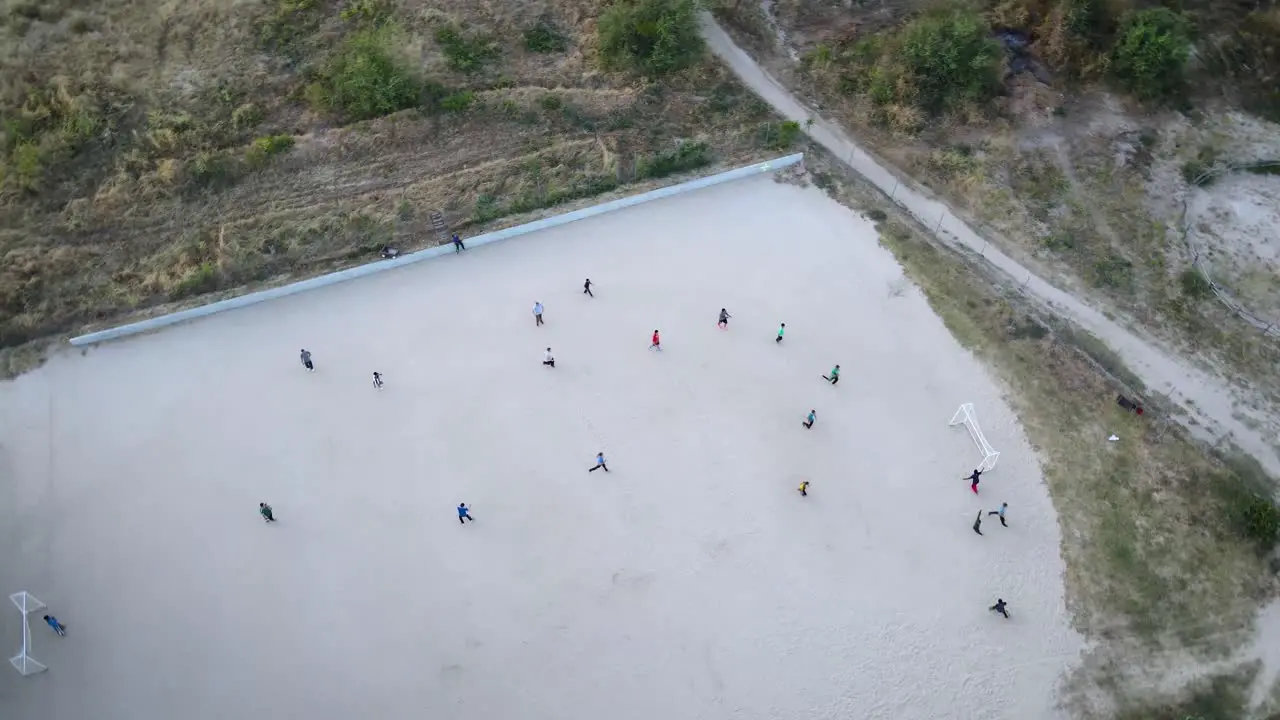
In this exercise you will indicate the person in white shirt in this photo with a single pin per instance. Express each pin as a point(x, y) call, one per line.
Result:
point(548, 359)
point(537, 312)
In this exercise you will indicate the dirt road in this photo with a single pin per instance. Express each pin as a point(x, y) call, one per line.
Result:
point(1209, 401)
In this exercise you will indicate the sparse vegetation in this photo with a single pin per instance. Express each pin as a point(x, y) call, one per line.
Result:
point(651, 37)
point(1194, 285)
point(466, 52)
point(780, 135)
point(687, 155)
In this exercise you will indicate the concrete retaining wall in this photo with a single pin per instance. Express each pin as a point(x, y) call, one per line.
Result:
point(156, 323)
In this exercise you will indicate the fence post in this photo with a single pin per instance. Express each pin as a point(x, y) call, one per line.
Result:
point(895, 189)
point(938, 227)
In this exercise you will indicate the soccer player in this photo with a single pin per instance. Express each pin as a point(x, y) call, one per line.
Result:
point(834, 377)
point(781, 329)
point(586, 288)
point(57, 626)
point(724, 319)
point(1000, 608)
point(457, 244)
point(804, 488)
point(656, 344)
point(537, 312)
point(267, 514)
point(599, 463)
point(808, 421)
point(464, 514)
point(306, 360)
point(974, 477)
point(977, 524)
point(1003, 507)
point(548, 359)
point(377, 380)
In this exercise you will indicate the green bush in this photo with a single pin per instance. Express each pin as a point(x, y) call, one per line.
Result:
point(1151, 50)
point(1113, 271)
point(26, 166)
point(289, 24)
point(651, 37)
point(364, 78)
point(210, 170)
point(202, 279)
point(458, 102)
point(544, 37)
point(948, 58)
point(466, 53)
point(551, 102)
point(688, 155)
point(265, 147)
point(1194, 285)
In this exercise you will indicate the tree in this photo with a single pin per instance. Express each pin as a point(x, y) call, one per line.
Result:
point(1150, 53)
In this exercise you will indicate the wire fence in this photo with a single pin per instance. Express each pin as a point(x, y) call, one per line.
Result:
point(1269, 327)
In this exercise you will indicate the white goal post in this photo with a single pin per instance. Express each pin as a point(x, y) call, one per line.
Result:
point(23, 662)
point(966, 416)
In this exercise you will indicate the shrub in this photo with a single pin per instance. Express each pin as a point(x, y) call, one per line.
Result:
point(651, 37)
point(780, 135)
point(1150, 51)
point(246, 116)
point(210, 169)
point(465, 53)
point(688, 155)
point(288, 25)
point(877, 215)
point(1194, 285)
point(458, 102)
point(265, 147)
point(947, 58)
point(202, 279)
point(551, 102)
point(26, 166)
point(364, 79)
point(544, 37)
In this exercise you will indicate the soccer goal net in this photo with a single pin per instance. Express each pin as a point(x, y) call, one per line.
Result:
point(23, 662)
point(965, 416)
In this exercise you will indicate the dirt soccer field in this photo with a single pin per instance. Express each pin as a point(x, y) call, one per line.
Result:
point(691, 581)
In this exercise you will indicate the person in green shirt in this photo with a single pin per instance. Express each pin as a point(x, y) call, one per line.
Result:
point(267, 515)
point(781, 329)
point(808, 421)
point(834, 377)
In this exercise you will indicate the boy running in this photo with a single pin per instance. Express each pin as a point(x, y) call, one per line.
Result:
point(804, 488)
point(377, 380)
point(808, 421)
point(781, 329)
point(724, 319)
point(306, 360)
point(548, 359)
point(834, 377)
point(464, 514)
point(656, 344)
point(586, 288)
point(974, 477)
point(266, 512)
point(57, 626)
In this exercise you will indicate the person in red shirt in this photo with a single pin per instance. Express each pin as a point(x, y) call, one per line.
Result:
point(657, 343)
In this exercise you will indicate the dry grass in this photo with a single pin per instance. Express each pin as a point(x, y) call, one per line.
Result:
point(1155, 562)
point(155, 152)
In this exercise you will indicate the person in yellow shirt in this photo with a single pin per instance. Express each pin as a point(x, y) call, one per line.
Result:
point(804, 488)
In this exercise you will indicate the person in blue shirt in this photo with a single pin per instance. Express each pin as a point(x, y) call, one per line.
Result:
point(537, 313)
point(808, 421)
point(464, 514)
point(457, 244)
point(57, 626)
point(1000, 512)
point(599, 463)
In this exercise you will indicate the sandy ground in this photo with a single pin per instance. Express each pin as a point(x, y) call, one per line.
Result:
point(690, 582)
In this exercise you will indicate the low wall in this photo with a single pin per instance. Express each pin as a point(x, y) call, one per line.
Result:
point(254, 298)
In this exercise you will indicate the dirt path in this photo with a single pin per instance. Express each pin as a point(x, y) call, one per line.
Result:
point(1209, 401)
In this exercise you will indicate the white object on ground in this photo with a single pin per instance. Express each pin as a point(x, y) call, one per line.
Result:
point(26, 604)
point(1114, 438)
point(967, 416)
